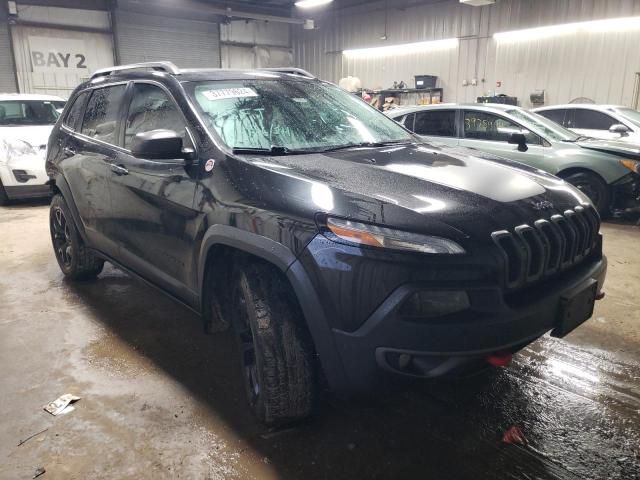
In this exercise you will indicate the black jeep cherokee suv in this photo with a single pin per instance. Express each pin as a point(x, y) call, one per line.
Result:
point(332, 240)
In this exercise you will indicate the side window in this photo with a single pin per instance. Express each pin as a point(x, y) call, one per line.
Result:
point(101, 115)
point(152, 109)
point(591, 120)
point(440, 123)
point(554, 115)
point(487, 126)
point(73, 114)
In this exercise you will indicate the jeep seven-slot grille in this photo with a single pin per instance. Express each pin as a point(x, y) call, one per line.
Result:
point(548, 246)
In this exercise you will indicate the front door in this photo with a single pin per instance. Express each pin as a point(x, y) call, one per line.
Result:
point(153, 199)
point(490, 133)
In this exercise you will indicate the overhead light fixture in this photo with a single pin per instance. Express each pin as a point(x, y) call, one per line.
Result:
point(595, 26)
point(311, 3)
point(403, 49)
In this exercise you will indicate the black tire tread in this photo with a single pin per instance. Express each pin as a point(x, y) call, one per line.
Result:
point(87, 265)
point(282, 346)
point(605, 203)
point(4, 198)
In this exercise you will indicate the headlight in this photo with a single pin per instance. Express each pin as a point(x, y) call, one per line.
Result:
point(632, 165)
point(18, 148)
point(382, 237)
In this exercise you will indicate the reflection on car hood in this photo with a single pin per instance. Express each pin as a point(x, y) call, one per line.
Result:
point(398, 184)
point(615, 147)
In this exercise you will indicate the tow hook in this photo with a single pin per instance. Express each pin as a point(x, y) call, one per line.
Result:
point(500, 359)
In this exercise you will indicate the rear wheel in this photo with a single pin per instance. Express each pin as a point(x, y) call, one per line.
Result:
point(74, 259)
point(593, 187)
point(275, 351)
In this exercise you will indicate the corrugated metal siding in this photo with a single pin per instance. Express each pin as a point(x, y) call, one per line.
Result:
point(187, 43)
point(255, 44)
point(598, 66)
point(7, 73)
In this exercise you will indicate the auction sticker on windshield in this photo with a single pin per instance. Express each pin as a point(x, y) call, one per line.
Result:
point(222, 93)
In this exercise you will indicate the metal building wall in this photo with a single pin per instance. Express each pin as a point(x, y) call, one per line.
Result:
point(255, 44)
point(598, 66)
point(187, 43)
point(7, 72)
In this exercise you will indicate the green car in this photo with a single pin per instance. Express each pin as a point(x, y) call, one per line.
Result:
point(605, 170)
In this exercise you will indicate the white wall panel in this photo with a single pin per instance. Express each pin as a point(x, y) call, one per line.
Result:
point(255, 44)
point(598, 66)
point(7, 74)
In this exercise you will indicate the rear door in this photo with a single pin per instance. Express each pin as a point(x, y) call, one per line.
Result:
point(153, 199)
point(90, 147)
point(437, 126)
point(490, 132)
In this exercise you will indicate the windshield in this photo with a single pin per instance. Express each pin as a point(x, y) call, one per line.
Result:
point(629, 114)
point(29, 112)
point(545, 127)
point(290, 114)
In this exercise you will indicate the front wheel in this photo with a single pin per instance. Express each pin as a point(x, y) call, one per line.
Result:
point(275, 350)
point(593, 187)
point(4, 199)
point(74, 259)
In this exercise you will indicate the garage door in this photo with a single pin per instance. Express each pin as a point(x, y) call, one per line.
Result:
point(187, 43)
point(54, 61)
point(7, 77)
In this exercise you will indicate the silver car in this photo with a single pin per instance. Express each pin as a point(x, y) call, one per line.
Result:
point(604, 170)
point(610, 122)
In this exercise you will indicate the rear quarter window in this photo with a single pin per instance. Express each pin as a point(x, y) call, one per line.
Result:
point(72, 118)
point(102, 114)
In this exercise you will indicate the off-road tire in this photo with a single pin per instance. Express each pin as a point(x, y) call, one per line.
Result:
point(593, 187)
point(75, 260)
point(4, 199)
point(282, 351)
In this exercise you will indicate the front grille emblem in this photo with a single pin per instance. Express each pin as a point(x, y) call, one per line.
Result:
point(542, 205)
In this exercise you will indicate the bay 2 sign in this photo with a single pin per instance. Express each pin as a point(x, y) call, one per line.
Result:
point(49, 54)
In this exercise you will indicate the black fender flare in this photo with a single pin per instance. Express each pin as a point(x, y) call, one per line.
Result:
point(62, 185)
point(286, 261)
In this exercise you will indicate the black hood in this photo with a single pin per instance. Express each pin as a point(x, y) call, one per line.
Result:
point(417, 187)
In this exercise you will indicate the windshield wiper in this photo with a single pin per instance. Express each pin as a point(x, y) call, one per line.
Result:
point(274, 150)
point(579, 138)
point(367, 144)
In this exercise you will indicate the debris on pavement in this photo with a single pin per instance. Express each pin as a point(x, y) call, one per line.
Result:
point(39, 471)
point(514, 435)
point(22, 442)
point(62, 405)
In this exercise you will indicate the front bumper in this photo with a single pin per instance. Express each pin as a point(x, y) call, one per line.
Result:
point(376, 352)
point(24, 177)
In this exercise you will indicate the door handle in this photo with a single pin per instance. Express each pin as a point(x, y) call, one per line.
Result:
point(68, 151)
point(119, 169)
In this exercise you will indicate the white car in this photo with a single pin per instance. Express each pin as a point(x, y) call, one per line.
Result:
point(25, 124)
point(608, 122)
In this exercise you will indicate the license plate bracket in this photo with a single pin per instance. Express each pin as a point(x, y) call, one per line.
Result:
point(576, 307)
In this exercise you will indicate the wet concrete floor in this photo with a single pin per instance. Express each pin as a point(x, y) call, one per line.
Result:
point(162, 400)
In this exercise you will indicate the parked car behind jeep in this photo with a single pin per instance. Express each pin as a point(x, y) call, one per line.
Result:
point(604, 170)
point(333, 241)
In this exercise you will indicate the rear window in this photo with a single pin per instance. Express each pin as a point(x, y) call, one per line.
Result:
point(101, 115)
point(554, 115)
point(73, 114)
point(29, 112)
point(441, 123)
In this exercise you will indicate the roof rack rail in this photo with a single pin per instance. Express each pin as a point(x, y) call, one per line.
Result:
point(291, 71)
point(168, 67)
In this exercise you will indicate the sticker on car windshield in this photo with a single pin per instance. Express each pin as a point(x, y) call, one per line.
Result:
point(222, 93)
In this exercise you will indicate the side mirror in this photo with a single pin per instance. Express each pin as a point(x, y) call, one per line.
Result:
point(520, 140)
point(620, 129)
point(157, 145)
